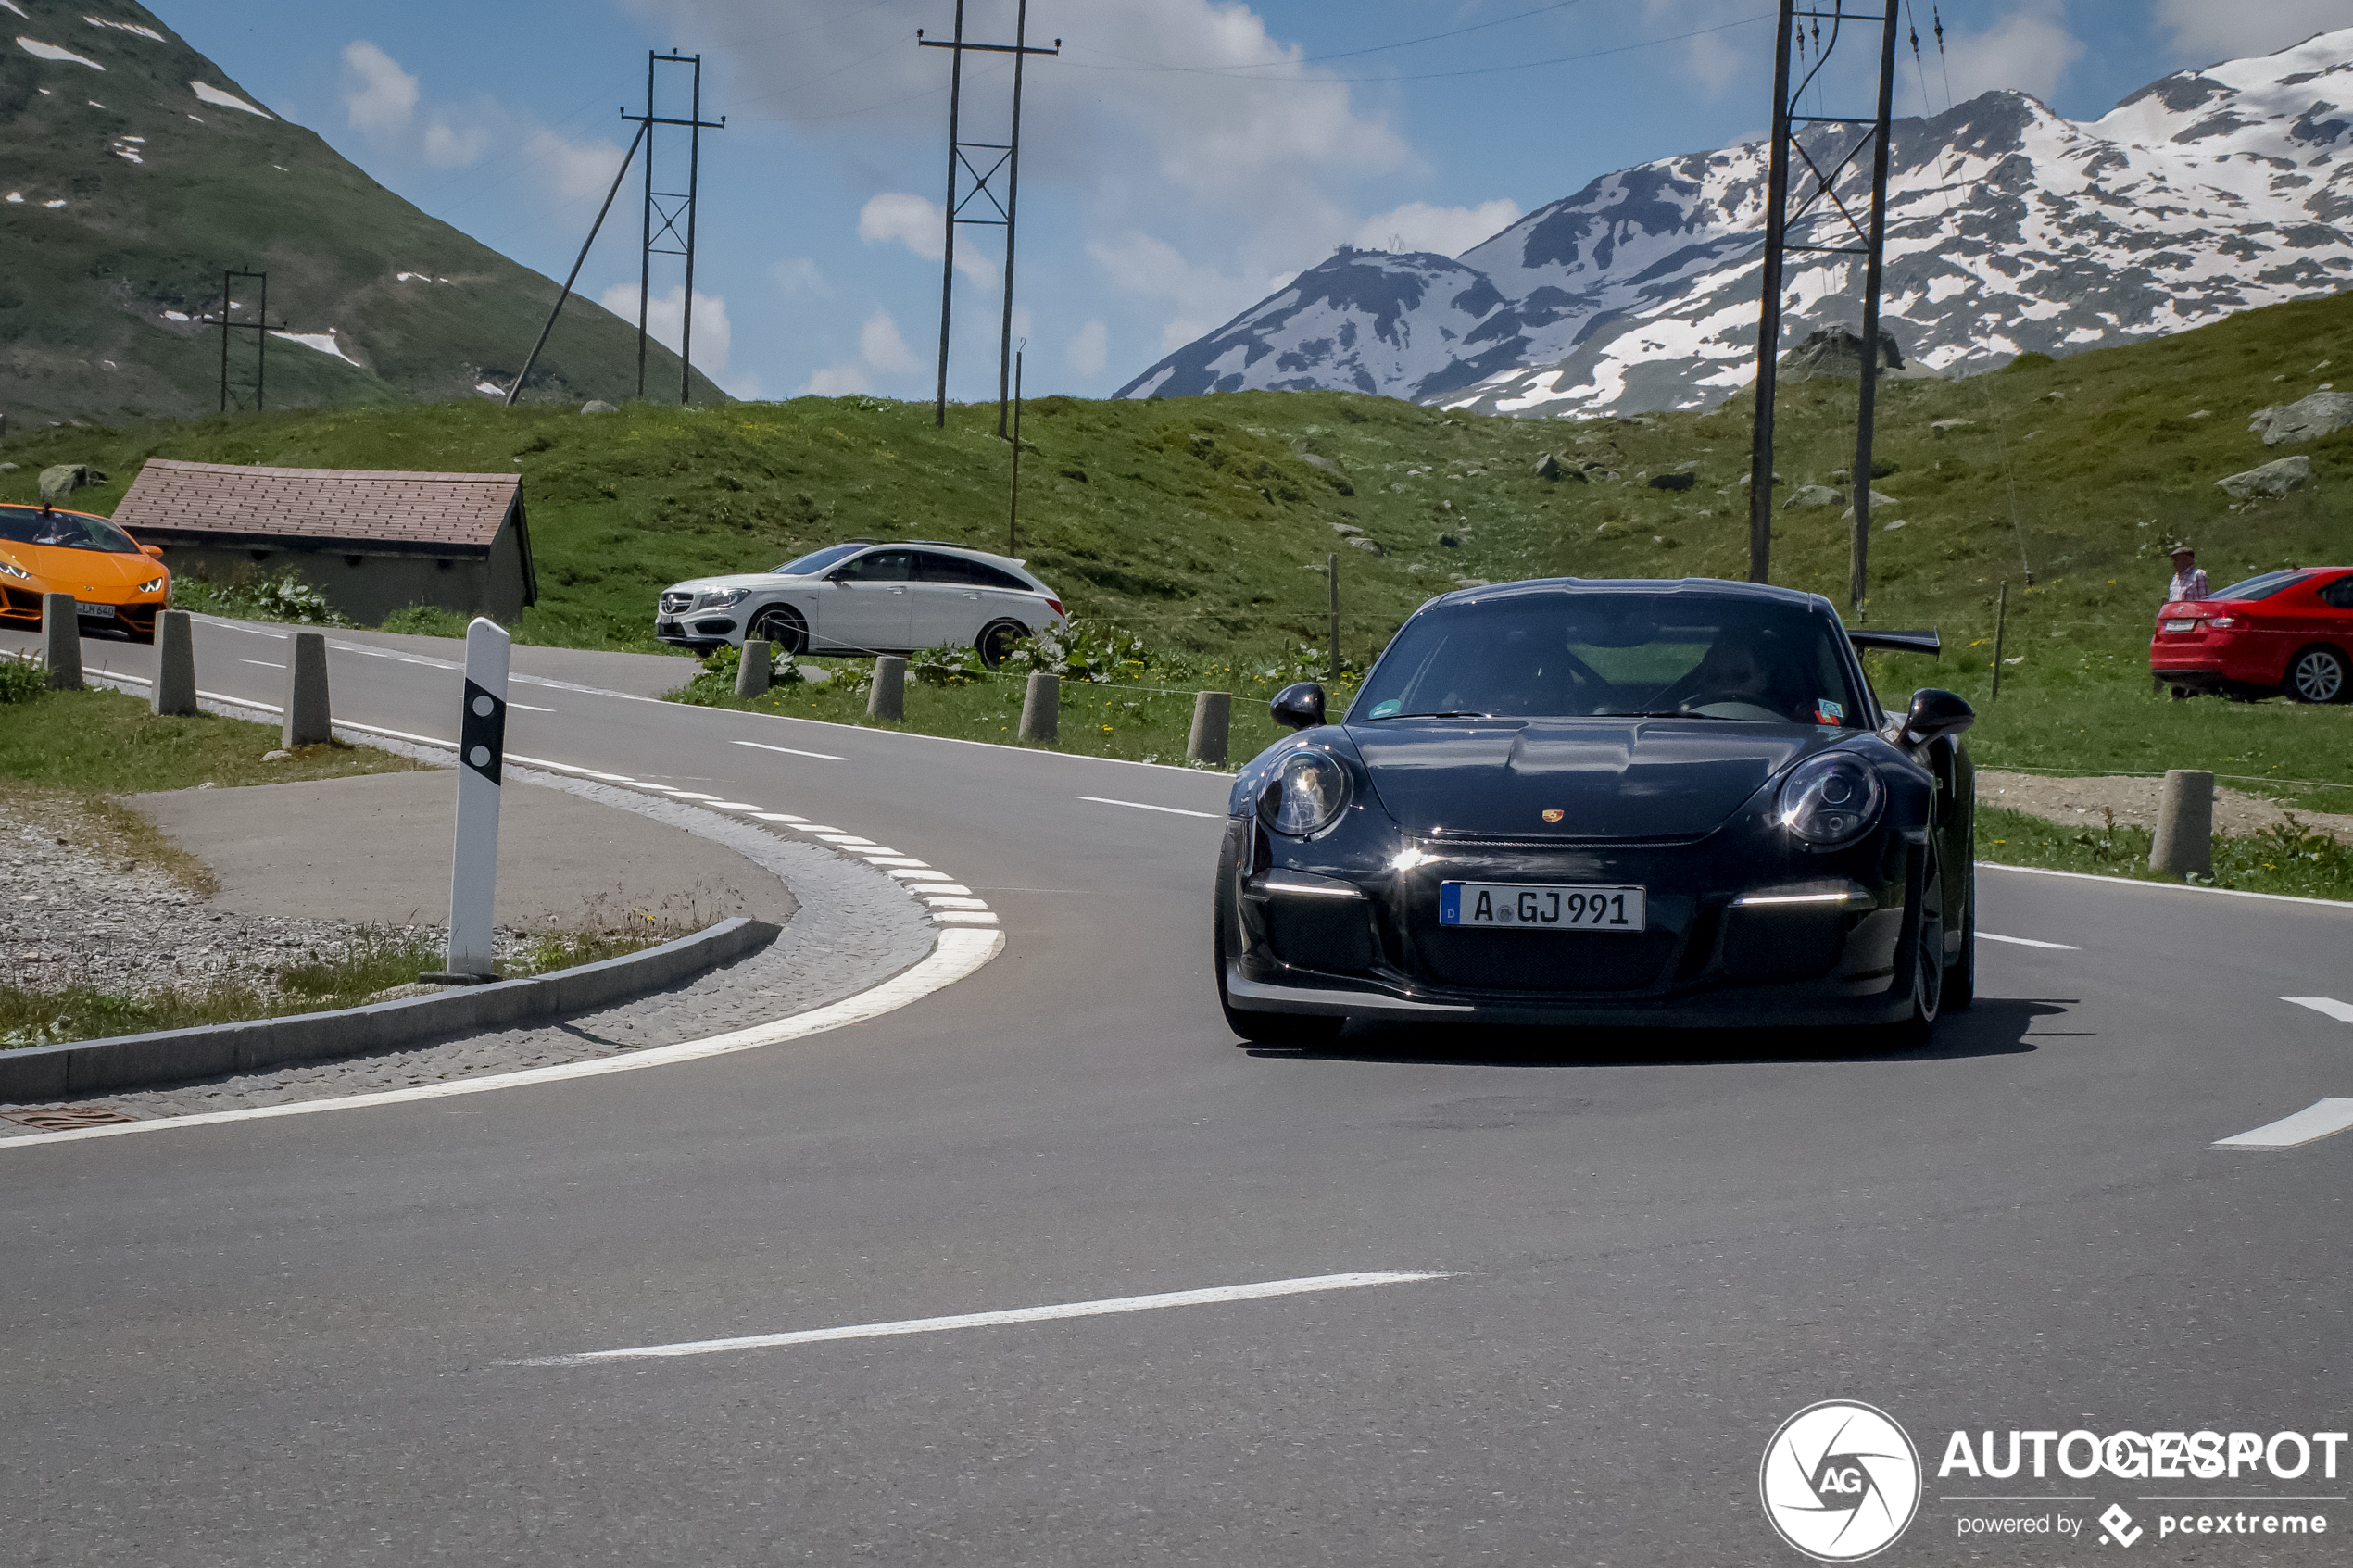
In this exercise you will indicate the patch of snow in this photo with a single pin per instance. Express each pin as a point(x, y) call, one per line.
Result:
point(19, 9)
point(281, 169)
point(126, 153)
point(205, 91)
point(41, 51)
point(199, 122)
point(119, 27)
point(323, 342)
point(59, 202)
point(92, 102)
point(490, 389)
point(16, 198)
point(175, 314)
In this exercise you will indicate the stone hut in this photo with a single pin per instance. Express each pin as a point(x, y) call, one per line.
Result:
point(372, 542)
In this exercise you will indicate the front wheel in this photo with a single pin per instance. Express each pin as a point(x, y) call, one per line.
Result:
point(1299, 1030)
point(1928, 957)
point(996, 640)
point(781, 626)
point(2315, 675)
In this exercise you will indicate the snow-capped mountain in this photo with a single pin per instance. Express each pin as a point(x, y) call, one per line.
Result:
point(2009, 228)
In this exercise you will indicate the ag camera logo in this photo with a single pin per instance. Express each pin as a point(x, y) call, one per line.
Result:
point(1840, 1481)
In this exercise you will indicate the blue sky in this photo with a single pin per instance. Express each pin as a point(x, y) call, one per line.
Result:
point(1180, 157)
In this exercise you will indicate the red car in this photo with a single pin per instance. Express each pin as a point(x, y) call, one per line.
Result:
point(2285, 634)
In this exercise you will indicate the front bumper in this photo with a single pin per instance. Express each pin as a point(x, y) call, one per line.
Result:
point(696, 632)
point(20, 607)
point(1705, 960)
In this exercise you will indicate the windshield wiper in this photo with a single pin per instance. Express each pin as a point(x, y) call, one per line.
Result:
point(1661, 713)
point(1441, 714)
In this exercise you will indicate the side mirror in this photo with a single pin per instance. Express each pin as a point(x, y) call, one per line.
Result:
point(1935, 715)
point(1299, 706)
point(152, 551)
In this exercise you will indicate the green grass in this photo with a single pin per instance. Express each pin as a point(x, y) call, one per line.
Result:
point(2281, 860)
point(107, 742)
point(1199, 524)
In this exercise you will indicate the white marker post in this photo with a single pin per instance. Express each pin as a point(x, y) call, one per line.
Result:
point(473, 872)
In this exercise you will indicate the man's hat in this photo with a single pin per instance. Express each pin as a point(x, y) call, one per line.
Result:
point(2184, 547)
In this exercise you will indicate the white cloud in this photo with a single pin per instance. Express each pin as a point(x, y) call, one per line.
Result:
point(1088, 349)
point(450, 148)
point(574, 170)
point(1446, 230)
point(834, 381)
point(919, 225)
point(2211, 31)
point(1719, 54)
point(2027, 51)
point(665, 315)
point(880, 345)
point(799, 277)
point(378, 95)
point(1147, 265)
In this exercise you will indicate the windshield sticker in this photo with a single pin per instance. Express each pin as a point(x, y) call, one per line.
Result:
point(1828, 713)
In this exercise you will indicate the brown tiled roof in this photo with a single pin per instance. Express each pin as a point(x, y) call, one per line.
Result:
point(461, 510)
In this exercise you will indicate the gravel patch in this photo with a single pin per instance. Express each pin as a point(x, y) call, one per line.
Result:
point(854, 928)
point(2074, 800)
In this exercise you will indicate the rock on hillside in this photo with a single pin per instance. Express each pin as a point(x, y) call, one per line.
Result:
point(138, 170)
point(2011, 228)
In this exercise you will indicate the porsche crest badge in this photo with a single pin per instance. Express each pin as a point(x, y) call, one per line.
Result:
point(1554, 813)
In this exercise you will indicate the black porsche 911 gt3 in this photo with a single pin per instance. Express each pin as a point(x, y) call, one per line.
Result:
point(1634, 803)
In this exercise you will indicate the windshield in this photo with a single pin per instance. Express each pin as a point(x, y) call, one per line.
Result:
point(1575, 655)
point(816, 561)
point(70, 530)
point(2261, 587)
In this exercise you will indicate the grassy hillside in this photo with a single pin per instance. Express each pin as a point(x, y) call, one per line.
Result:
point(125, 195)
point(1204, 525)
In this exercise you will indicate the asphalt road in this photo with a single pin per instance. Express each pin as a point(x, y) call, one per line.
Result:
point(299, 1341)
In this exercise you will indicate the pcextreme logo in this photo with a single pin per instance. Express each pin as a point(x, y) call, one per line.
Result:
point(1840, 1481)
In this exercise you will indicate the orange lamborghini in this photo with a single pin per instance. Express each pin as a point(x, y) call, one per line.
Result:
point(117, 583)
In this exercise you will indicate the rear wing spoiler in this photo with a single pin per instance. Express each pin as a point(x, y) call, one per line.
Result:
point(1895, 642)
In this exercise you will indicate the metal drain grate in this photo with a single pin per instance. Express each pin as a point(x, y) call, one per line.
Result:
point(65, 1118)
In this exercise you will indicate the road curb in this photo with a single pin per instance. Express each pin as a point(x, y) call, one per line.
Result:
point(49, 1073)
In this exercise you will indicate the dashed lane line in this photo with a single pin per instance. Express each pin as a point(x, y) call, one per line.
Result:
point(1220, 1294)
point(792, 752)
point(2319, 1120)
point(2341, 1012)
point(1143, 805)
point(2028, 941)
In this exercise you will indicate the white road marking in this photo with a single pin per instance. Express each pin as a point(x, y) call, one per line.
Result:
point(962, 917)
point(682, 793)
point(2028, 941)
point(528, 707)
point(950, 902)
point(819, 829)
point(915, 870)
point(928, 888)
point(2316, 1120)
point(265, 663)
point(2167, 887)
point(2328, 1005)
point(957, 954)
point(793, 751)
point(1141, 806)
point(897, 861)
point(1259, 1292)
point(732, 806)
point(777, 817)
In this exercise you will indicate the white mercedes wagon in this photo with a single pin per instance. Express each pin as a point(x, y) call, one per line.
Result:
point(866, 597)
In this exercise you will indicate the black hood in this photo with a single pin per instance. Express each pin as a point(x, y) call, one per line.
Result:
point(1609, 778)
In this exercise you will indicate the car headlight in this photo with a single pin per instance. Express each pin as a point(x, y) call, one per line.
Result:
point(11, 568)
point(1306, 796)
point(721, 598)
point(152, 585)
point(1831, 800)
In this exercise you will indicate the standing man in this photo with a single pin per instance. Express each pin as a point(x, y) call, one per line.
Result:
point(2189, 584)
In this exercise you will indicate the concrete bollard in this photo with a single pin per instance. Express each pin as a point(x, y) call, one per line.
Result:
point(175, 687)
point(752, 674)
point(2184, 841)
point(1041, 707)
point(307, 718)
point(1212, 716)
point(61, 631)
point(888, 699)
